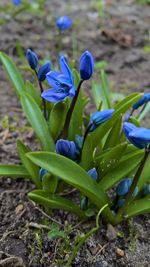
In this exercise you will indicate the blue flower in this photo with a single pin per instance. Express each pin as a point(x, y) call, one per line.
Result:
point(100, 117)
point(63, 23)
point(138, 136)
point(16, 2)
point(42, 172)
point(66, 148)
point(144, 99)
point(93, 174)
point(32, 59)
point(86, 65)
point(124, 186)
point(62, 83)
point(43, 70)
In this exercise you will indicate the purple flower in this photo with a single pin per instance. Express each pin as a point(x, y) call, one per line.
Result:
point(144, 99)
point(63, 23)
point(100, 117)
point(86, 65)
point(138, 136)
point(62, 83)
point(66, 148)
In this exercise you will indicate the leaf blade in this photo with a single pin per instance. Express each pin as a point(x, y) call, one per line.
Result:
point(37, 121)
point(12, 170)
point(55, 202)
point(13, 73)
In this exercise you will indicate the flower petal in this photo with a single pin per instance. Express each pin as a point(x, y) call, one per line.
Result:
point(65, 68)
point(52, 95)
point(52, 78)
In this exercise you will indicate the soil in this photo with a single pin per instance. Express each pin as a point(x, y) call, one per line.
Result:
point(118, 38)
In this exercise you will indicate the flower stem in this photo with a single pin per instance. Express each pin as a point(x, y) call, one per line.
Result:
point(86, 133)
point(64, 133)
point(135, 182)
point(43, 100)
point(144, 106)
point(131, 113)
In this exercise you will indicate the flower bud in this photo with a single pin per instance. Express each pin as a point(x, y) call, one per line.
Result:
point(86, 65)
point(144, 99)
point(63, 23)
point(16, 2)
point(32, 59)
point(100, 117)
point(66, 148)
point(138, 136)
point(124, 187)
point(93, 173)
point(42, 172)
point(43, 70)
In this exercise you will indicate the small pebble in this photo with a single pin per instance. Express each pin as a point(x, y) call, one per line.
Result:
point(120, 252)
point(111, 233)
point(19, 208)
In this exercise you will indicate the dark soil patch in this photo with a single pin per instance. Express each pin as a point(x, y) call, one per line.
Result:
point(119, 41)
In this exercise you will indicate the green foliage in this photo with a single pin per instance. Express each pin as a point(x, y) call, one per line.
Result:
point(54, 202)
point(55, 232)
point(13, 73)
point(104, 150)
point(16, 171)
point(37, 121)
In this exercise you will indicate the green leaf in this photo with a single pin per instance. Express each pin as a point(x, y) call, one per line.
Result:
point(32, 91)
point(75, 126)
point(12, 170)
point(113, 138)
point(55, 232)
point(121, 171)
point(55, 202)
point(101, 65)
point(37, 121)
point(49, 183)
point(144, 112)
point(32, 168)
point(13, 73)
point(74, 175)
point(87, 154)
point(106, 87)
point(110, 159)
point(99, 96)
point(120, 109)
point(57, 118)
point(137, 207)
point(145, 176)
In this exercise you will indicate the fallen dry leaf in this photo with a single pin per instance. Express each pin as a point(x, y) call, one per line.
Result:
point(123, 39)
